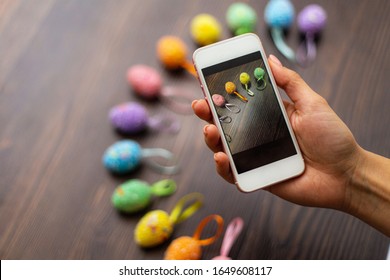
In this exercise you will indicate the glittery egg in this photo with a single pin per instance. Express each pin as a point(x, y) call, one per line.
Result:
point(122, 157)
point(172, 52)
point(259, 73)
point(129, 117)
point(312, 19)
point(131, 196)
point(218, 100)
point(145, 81)
point(205, 29)
point(244, 78)
point(153, 229)
point(279, 13)
point(184, 248)
point(241, 18)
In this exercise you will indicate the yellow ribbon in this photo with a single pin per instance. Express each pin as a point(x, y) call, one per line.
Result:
point(179, 214)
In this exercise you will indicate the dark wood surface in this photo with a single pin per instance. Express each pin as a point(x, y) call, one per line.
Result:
point(62, 67)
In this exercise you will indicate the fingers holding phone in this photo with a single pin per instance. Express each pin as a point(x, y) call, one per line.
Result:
point(249, 115)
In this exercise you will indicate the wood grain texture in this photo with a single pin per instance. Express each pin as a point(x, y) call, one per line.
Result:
point(62, 67)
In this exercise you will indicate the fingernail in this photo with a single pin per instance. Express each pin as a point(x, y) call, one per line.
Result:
point(216, 157)
point(194, 103)
point(275, 60)
point(205, 128)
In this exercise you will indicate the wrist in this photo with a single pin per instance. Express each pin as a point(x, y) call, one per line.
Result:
point(368, 190)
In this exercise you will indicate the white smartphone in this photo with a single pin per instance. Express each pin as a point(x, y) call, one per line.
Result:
point(247, 109)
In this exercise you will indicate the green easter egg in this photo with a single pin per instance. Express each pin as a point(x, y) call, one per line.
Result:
point(131, 196)
point(241, 18)
point(259, 73)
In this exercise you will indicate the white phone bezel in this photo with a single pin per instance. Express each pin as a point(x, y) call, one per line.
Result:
point(268, 174)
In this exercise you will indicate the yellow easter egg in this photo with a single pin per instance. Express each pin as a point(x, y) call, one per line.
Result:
point(172, 52)
point(205, 29)
point(153, 229)
point(183, 248)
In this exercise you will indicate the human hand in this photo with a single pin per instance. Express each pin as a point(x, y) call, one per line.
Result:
point(328, 146)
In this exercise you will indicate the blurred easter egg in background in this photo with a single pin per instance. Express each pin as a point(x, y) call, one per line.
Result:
point(171, 51)
point(205, 29)
point(129, 117)
point(241, 18)
point(145, 80)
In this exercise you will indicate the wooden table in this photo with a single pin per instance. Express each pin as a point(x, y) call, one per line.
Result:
point(62, 67)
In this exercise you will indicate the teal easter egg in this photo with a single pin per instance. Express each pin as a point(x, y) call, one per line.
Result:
point(279, 13)
point(122, 157)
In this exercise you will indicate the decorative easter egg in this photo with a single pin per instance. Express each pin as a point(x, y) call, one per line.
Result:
point(241, 18)
point(172, 52)
point(145, 81)
point(205, 29)
point(218, 100)
point(230, 87)
point(189, 248)
point(244, 78)
point(259, 73)
point(312, 19)
point(122, 157)
point(279, 13)
point(134, 195)
point(184, 248)
point(129, 117)
point(131, 196)
point(153, 229)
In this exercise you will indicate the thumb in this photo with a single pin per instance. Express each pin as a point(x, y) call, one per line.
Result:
point(290, 81)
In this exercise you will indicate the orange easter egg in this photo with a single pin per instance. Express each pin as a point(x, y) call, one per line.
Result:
point(172, 52)
point(183, 248)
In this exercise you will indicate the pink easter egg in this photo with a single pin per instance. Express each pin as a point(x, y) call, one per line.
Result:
point(145, 81)
point(218, 100)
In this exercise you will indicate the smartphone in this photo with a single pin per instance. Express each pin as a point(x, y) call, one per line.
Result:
point(256, 134)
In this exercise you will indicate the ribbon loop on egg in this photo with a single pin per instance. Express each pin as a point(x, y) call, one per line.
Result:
point(277, 36)
point(158, 152)
point(179, 214)
point(164, 123)
point(164, 187)
point(225, 119)
point(233, 108)
point(231, 234)
point(204, 242)
point(178, 99)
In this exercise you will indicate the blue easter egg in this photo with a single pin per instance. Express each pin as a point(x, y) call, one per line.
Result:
point(279, 13)
point(122, 157)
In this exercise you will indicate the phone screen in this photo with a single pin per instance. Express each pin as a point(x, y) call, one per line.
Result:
point(249, 112)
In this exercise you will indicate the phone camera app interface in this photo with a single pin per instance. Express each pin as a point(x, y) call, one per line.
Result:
point(249, 112)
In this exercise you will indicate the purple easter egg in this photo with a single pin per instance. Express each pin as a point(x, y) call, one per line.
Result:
point(145, 81)
point(129, 117)
point(218, 100)
point(312, 19)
